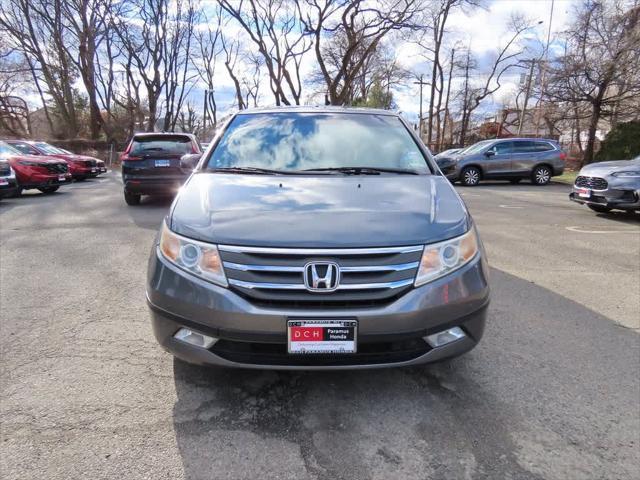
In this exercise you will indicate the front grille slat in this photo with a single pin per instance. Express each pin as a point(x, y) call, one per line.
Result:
point(275, 276)
point(56, 167)
point(594, 183)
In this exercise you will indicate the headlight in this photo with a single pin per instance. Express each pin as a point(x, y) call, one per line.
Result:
point(628, 173)
point(198, 258)
point(442, 258)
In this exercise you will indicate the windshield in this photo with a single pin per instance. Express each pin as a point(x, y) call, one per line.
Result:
point(50, 149)
point(476, 147)
point(7, 151)
point(307, 141)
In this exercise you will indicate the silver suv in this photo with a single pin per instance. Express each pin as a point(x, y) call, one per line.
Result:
point(317, 238)
point(510, 159)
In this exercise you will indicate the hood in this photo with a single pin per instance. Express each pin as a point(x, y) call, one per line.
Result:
point(36, 158)
point(72, 157)
point(318, 211)
point(607, 168)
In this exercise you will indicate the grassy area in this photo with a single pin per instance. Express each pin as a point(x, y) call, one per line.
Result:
point(567, 177)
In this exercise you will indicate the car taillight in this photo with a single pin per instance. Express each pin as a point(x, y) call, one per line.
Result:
point(563, 156)
point(194, 149)
point(129, 158)
point(126, 154)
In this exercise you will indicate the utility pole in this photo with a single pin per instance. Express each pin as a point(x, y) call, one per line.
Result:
point(205, 109)
point(446, 102)
point(543, 76)
point(526, 95)
point(422, 84)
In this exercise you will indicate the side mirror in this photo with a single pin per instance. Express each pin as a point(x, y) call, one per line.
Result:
point(489, 153)
point(190, 161)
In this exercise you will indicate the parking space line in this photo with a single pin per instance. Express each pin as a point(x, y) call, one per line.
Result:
point(579, 230)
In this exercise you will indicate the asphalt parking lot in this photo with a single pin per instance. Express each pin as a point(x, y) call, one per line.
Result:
point(552, 392)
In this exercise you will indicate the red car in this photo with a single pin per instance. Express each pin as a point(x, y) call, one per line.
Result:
point(36, 171)
point(80, 166)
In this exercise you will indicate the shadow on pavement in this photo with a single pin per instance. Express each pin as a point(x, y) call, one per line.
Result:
point(546, 394)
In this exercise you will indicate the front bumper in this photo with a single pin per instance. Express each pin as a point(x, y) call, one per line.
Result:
point(255, 337)
point(616, 196)
point(41, 181)
point(8, 186)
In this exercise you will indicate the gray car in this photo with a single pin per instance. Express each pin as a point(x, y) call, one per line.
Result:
point(317, 238)
point(512, 159)
point(608, 185)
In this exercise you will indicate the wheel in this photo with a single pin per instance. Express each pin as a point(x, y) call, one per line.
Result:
point(599, 208)
point(541, 175)
point(48, 190)
point(515, 181)
point(131, 198)
point(470, 176)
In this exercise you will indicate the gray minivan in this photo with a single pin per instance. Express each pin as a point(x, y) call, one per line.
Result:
point(317, 238)
point(512, 159)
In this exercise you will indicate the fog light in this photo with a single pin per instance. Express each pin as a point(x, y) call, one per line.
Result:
point(445, 337)
point(194, 338)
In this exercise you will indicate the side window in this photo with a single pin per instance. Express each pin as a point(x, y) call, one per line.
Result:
point(525, 146)
point(503, 147)
point(543, 147)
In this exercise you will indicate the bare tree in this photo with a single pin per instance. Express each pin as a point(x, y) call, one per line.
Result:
point(505, 60)
point(600, 68)
point(209, 45)
point(273, 27)
point(36, 30)
point(346, 35)
point(432, 38)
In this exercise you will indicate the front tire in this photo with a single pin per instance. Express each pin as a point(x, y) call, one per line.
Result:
point(541, 175)
point(599, 208)
point(131, 199)
point(48, 190)
point(470, 176)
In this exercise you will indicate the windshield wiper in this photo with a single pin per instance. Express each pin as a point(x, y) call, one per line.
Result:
point(254, 170)
point(364, 170)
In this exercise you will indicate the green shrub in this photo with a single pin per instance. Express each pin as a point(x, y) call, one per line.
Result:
point(621, 143)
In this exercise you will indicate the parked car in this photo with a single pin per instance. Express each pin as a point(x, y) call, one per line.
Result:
point(609, 185)
point(80, 166)
point(36, 171)
point(317, 238)
point(447, 163)
point(151, 164)
point(512, 159)
point(448, 153)
point(8, 184)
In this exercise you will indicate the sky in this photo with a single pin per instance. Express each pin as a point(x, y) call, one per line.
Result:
point(483, 30)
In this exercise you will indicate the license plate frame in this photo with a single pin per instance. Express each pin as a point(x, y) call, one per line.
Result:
point(162, 163)
point(583, 192)
point(337, 336)
point(61, 178)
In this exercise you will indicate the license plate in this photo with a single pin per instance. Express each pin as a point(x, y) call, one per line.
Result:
point(583, 192)
point(322, 336)
point(61, 178)
point(94, 170)
point(163, 163)
point(4, 181)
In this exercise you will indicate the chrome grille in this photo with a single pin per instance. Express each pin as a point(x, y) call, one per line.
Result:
point(275, 276)
point(595, 183)
point(56, 167)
